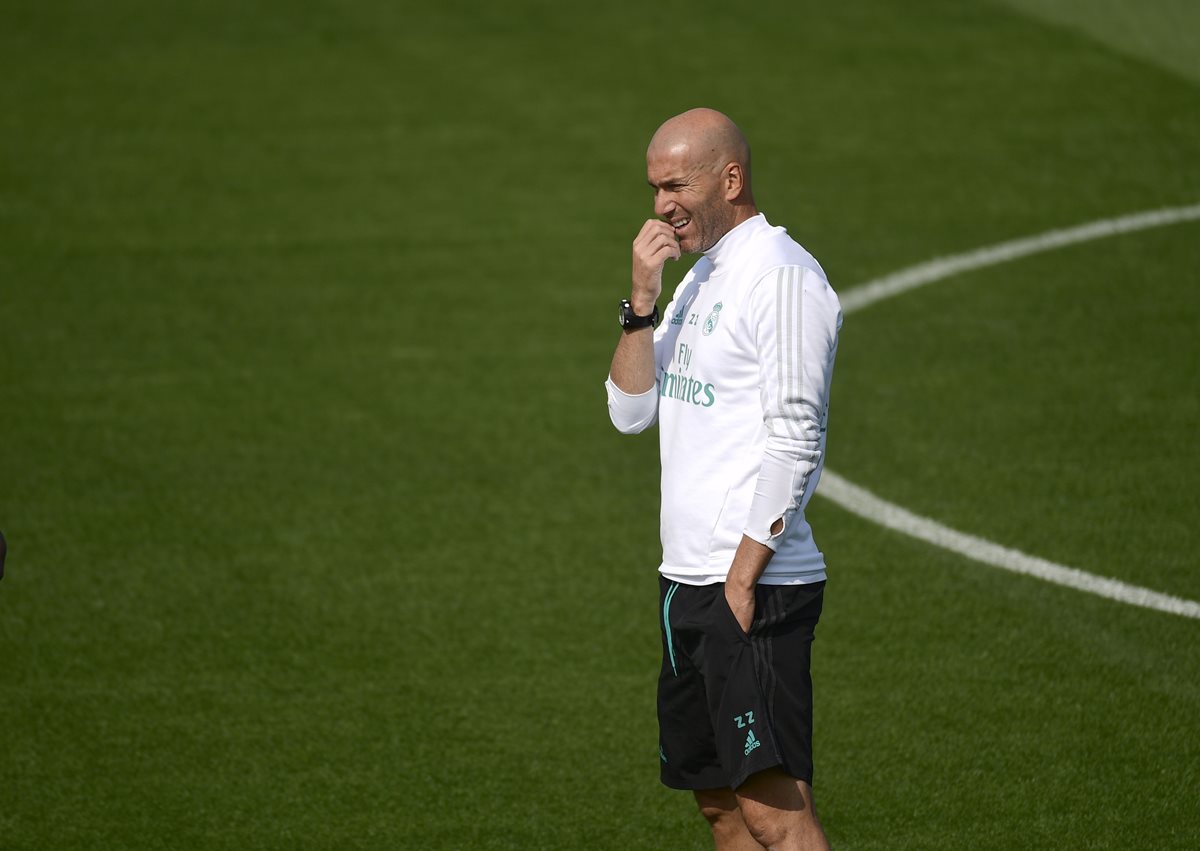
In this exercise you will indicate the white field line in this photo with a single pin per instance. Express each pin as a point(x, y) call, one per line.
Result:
point(865, 504)
point(943, 267)
point(862, 502)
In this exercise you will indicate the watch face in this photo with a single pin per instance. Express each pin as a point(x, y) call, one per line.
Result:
point(628, 319)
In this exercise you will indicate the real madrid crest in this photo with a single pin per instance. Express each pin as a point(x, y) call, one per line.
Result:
point(710, 324)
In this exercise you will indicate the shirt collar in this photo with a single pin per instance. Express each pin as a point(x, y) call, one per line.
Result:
point(727, 245)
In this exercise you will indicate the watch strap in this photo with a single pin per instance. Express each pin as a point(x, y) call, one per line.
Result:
point(629, 320)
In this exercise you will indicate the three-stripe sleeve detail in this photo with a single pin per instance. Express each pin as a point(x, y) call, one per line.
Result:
point(789, 317)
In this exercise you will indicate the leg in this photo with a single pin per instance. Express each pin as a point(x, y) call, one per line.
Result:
point(779, 813)
point(720, 808)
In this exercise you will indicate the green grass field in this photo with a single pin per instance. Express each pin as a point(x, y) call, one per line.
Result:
point(319, 536)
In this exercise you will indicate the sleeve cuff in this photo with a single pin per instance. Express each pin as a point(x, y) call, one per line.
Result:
point(631, 413)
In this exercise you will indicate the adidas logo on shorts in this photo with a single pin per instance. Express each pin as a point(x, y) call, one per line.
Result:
point(751, 742)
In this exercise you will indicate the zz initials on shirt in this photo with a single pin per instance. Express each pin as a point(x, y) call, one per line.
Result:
point(743, 720)
point(692, 319)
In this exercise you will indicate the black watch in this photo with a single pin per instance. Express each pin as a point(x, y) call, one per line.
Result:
point(629, 319)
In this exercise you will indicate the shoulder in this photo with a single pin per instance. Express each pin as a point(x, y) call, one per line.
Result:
point(772, 248)
point(782, 250)
point(794, 289)
point(785, 277)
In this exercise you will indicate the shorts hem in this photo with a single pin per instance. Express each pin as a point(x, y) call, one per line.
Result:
point(697, 785)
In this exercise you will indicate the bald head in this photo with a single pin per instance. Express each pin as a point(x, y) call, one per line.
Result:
point(706, 137)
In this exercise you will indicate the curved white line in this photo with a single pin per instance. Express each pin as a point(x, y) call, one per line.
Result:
point(896, 283)
point(865, 504)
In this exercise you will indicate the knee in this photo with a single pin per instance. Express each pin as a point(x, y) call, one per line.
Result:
point(767, 828)
point(782, 827)
point(717, 806)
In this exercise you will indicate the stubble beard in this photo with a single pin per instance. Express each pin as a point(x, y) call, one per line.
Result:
point(709, 229)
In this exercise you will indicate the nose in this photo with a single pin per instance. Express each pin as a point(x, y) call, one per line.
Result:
point(664, 204)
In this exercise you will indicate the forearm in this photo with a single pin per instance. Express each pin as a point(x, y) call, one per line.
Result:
point(749, 563)
point(633, 369)
point(787, 468)
point(633, 374)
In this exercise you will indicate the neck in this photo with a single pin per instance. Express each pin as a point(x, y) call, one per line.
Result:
point(743, 213)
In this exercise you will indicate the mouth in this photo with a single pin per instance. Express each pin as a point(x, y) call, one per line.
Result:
point(680, 224)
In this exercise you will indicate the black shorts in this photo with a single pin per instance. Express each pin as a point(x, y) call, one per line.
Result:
point(731, 704)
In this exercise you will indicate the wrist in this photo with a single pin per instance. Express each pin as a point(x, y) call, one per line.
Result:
point(643, 305)
point(631, 319)
point(740, 580)
point(749, 563)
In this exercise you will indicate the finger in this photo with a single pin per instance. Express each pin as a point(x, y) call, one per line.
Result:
point(661, 253)
point(652, 231)
point(653, 225)
point(655, 240)
point(656, 251)
point(673, 249)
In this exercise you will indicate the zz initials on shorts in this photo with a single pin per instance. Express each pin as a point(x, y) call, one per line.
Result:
point(749, 719)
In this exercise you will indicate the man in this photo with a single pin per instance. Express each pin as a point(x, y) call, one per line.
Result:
point(737, 377)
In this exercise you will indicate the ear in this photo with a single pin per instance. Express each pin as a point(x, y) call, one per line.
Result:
point(732, 181)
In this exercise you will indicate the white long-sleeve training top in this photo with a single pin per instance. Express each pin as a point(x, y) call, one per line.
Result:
point(744, 360)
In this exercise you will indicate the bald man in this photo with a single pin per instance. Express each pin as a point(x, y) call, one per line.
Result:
point(737, 376)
